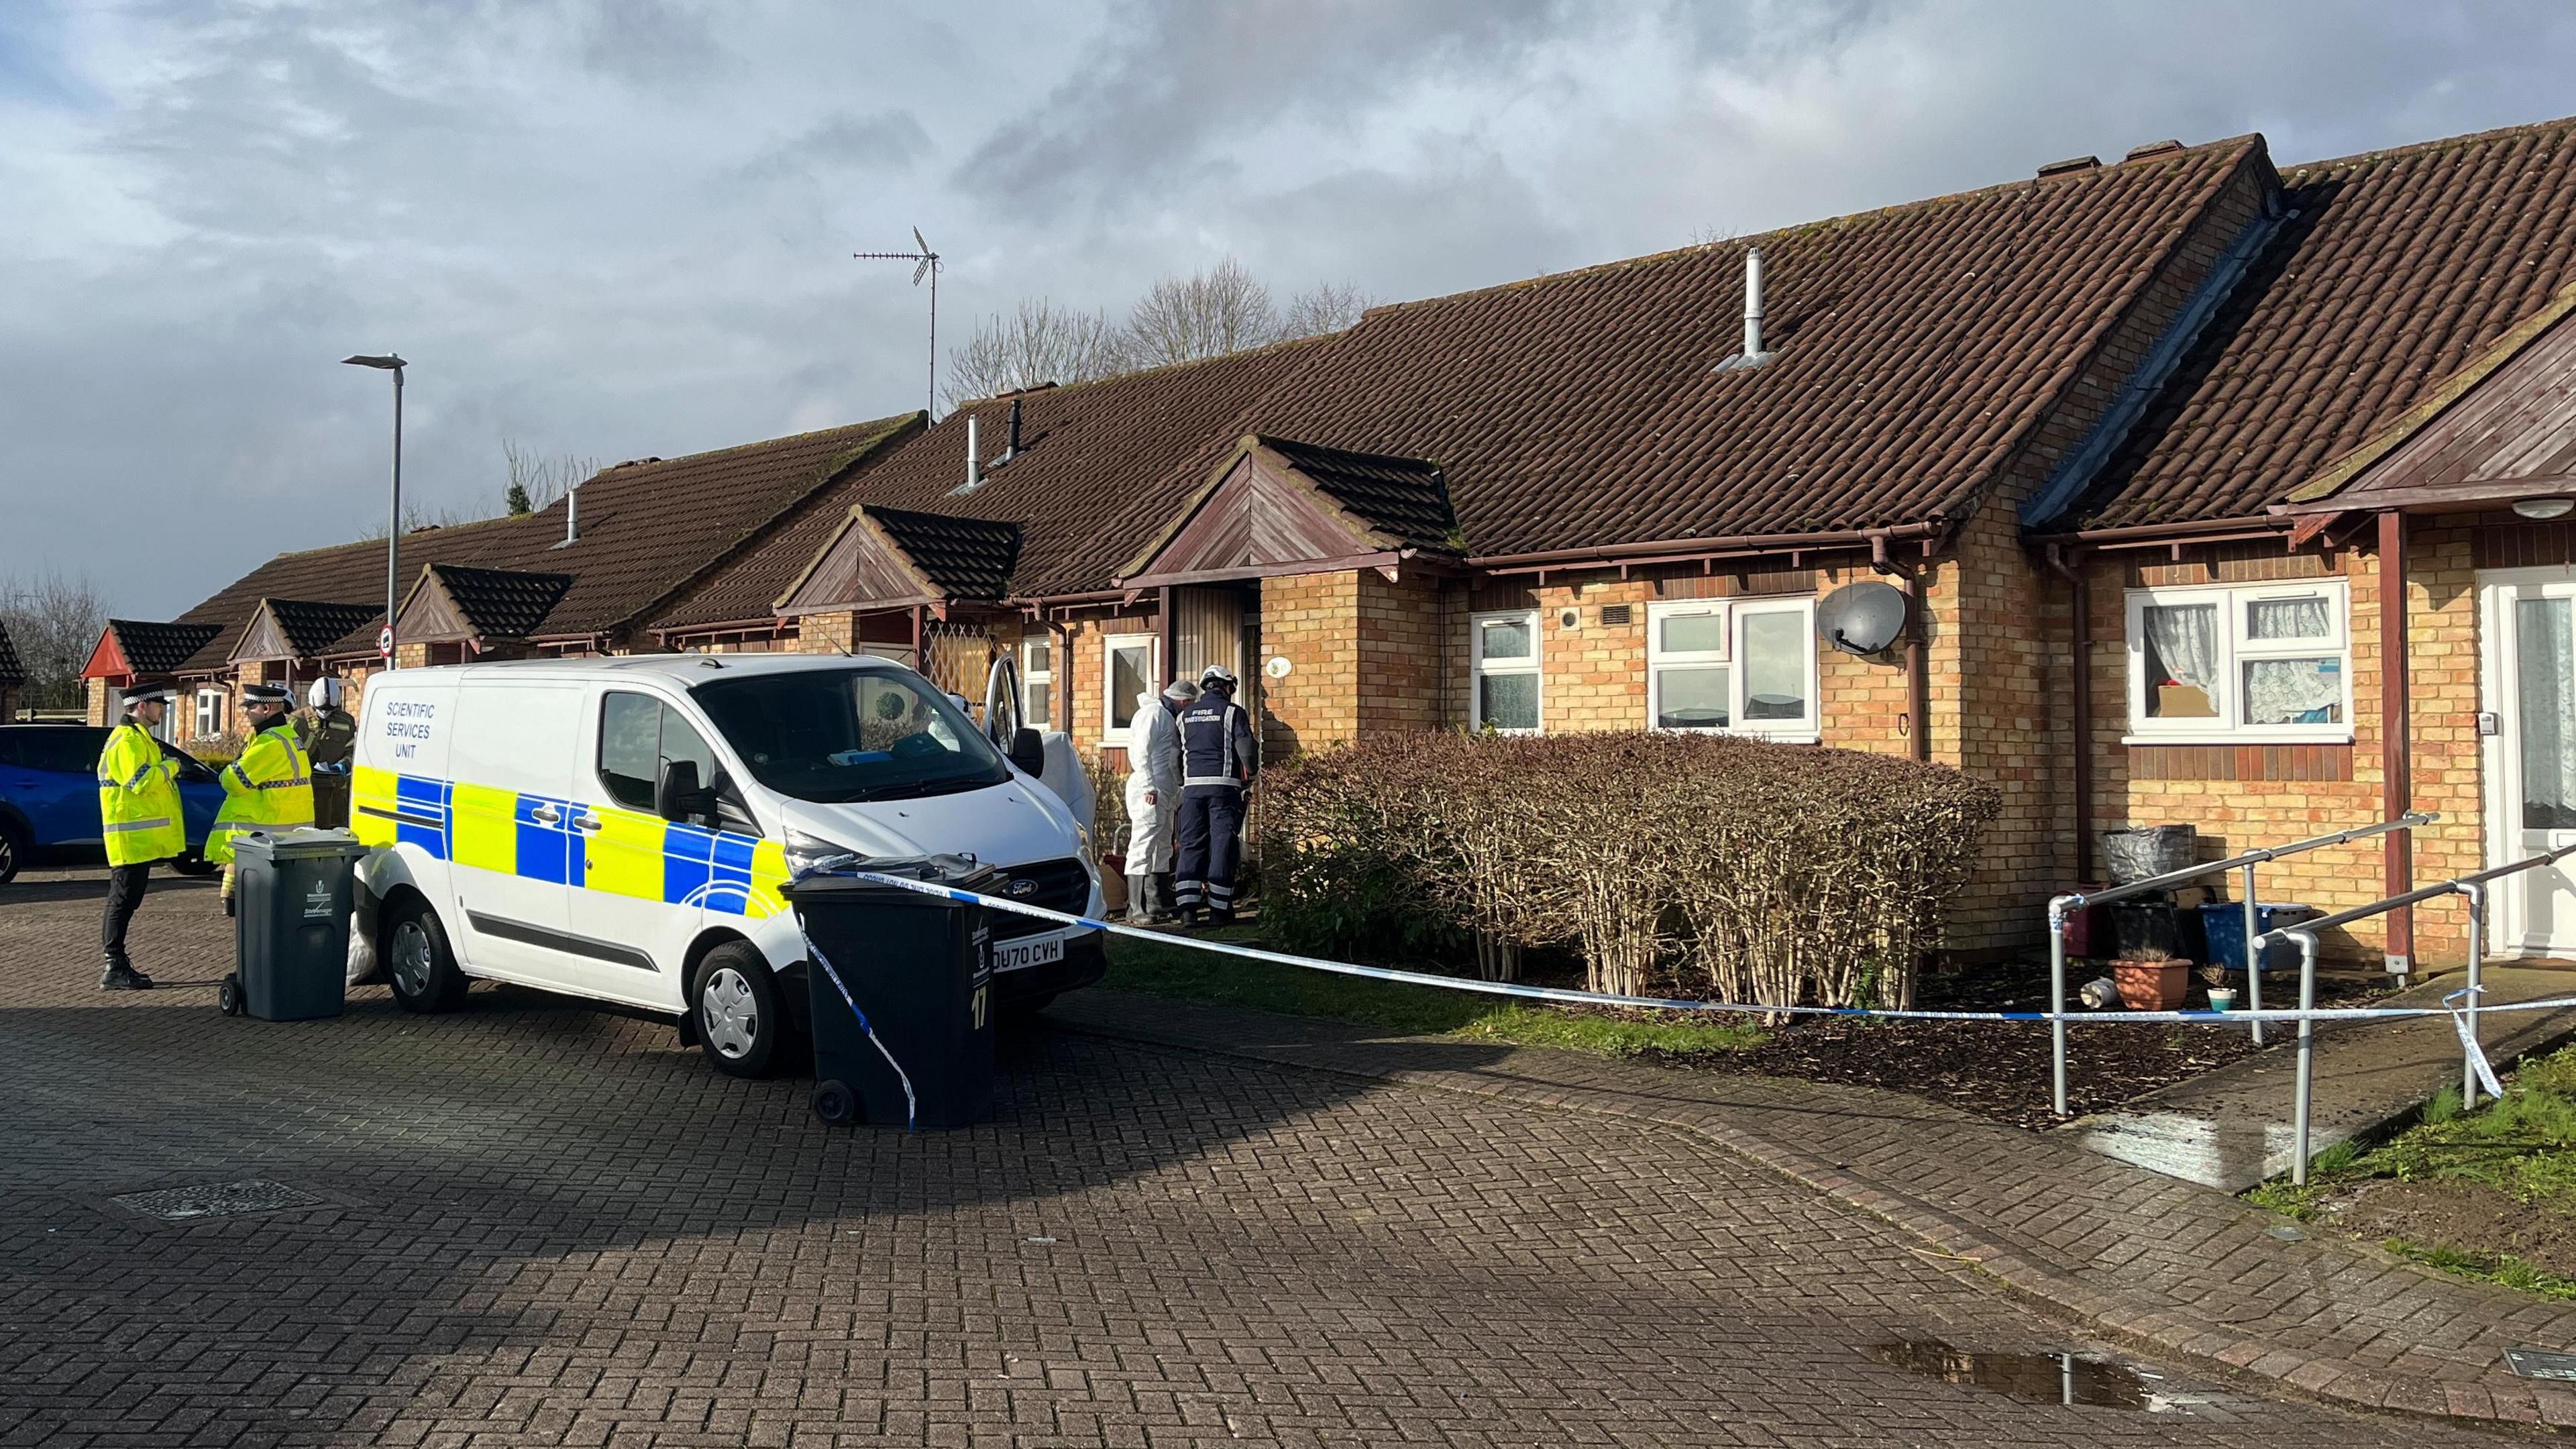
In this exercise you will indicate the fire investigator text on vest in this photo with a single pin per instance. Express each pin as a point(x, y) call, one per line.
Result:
point(1216, 764)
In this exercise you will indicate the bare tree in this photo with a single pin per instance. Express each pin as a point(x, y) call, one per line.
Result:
point(55, 622)
point(1038, 344)
point(537, 482)
point(1328, 308)
point(1207, 314)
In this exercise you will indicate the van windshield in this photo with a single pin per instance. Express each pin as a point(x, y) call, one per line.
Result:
point(837, 736)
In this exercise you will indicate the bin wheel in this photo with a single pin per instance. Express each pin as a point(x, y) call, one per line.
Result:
point(835, 1103)
point(228, 995)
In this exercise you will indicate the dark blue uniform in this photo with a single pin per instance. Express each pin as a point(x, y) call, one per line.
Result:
point(1216, 765)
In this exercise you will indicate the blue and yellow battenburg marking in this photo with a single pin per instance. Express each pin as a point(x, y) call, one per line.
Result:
point(535, 837)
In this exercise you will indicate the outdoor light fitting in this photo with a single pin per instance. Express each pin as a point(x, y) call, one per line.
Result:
point(2544, 509)
point(388, 362)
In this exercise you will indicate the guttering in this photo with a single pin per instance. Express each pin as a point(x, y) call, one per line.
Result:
point(1684, 550)
point(2148, 535)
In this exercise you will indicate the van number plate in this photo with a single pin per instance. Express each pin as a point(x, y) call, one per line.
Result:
point(1021, 955)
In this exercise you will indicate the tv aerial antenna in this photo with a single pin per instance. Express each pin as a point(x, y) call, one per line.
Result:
point(925, 264)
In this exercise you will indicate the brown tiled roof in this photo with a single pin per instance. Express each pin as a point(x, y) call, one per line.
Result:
point(647, 531)
point(1404, 498)
point(502, 603)
point(2396, 269)
point(1913, 350)
point(965, 558)
point(11, 671)
point(1095, 476)
point(152, 647)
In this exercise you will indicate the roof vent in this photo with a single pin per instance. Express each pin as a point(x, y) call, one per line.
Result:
point(572, 516)
point(2152, 148)
point(1752, 355)
point(974, 462)
point(2070, 166)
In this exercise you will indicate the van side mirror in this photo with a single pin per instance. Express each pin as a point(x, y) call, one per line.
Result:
point(1028, 752)
point(678, 795)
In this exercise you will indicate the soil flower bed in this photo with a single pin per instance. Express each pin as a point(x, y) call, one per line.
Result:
point(1998, 1070)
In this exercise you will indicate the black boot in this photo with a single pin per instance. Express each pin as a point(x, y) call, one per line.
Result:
point(121, 977)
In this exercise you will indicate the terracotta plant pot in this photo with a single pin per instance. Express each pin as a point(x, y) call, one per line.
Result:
point(2152, 985)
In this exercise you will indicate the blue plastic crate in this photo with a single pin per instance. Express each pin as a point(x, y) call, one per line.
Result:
point(2223, 922)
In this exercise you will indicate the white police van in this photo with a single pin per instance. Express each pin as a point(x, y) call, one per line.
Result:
point(618, 828)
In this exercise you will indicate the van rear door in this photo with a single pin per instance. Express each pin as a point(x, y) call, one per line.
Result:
point(515, 850)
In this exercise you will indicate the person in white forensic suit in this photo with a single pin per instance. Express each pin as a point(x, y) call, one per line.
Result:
point(1153, 796)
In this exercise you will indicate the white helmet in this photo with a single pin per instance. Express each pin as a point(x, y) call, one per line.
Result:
point(1216, 675)
point(325, 693)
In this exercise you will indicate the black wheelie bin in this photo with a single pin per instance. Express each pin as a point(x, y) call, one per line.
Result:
point(901, 987)
point(291, 903)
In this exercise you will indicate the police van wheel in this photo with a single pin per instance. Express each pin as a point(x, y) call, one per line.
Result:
point(740, 1016)
point(835, 1103)
point(416, 957)
point(228, 995)
point(13, 850)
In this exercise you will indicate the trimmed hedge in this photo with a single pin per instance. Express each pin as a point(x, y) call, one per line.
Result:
point(1729, 869)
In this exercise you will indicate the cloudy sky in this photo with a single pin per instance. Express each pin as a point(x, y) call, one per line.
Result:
point(622, 227)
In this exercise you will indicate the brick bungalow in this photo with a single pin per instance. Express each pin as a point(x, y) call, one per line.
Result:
point(2143, 444)
point(577, 577)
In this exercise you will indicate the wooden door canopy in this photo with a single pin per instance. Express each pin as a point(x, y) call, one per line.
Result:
point(883, 558)
point(1276, 507)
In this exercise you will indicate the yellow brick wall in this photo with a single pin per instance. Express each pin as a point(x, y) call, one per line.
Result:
point(2237, 814)
point(1313, 622)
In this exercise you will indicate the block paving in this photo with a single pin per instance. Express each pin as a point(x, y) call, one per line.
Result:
point(542, 1224)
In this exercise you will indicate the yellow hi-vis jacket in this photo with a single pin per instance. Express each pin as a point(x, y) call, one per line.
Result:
point(269, 788)
point(138, 798)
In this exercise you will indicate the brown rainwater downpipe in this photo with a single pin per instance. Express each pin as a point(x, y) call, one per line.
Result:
point(2079, 681)
point(1164, 626)
point(2396, 735)
point(1918, 683)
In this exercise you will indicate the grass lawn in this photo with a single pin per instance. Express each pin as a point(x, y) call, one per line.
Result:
point(1177, 971)
point(2488, 1194)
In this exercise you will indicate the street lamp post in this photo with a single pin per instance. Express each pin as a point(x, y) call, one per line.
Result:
point(393, 533)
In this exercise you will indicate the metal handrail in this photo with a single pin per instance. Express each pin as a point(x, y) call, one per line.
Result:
point(2304, 935)
point(2061, 907)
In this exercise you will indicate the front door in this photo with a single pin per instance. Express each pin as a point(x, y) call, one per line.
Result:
point(2528, 689)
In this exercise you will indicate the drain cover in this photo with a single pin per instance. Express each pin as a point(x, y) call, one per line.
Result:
point(218, 1200)
point(2540, 1363)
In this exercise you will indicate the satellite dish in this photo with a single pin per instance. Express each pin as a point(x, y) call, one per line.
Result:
point(1862, 618)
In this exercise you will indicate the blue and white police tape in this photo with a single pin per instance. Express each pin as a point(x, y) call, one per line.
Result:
point(1563, 996)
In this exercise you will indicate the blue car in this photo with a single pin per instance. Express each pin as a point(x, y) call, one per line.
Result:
point(49, 796)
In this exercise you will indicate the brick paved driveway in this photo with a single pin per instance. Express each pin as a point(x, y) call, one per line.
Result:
point(546, 1224)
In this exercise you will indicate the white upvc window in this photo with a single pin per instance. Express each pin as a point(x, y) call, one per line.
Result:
point(210, 713)
point(1742, 666)
point(2241, 664)
point(1130, 664)
point(1505, 649)
point(1037, 682)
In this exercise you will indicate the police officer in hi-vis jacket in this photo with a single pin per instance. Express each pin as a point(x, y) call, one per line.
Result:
point(270, 788)
point(1216, 765)
point(140, 818)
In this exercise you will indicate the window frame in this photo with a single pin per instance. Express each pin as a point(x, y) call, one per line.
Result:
point(1112, 736)
point(2236, 649)
point(1807, 729)
point(1031, 676)
point(1478, 667)
point(217, 698)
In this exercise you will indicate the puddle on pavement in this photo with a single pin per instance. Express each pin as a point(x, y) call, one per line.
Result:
point(2032, 1378)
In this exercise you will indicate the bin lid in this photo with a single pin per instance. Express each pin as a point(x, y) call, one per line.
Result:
point(301, 844)
point(959, 872)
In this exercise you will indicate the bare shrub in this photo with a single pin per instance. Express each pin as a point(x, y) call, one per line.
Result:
point(1721, 868)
